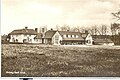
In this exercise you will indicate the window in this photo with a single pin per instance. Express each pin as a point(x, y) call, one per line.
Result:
point(16, 40)
point(67, 35)
point(88, 41)
point(24, 40)
point(74, 35)
point(56, 39)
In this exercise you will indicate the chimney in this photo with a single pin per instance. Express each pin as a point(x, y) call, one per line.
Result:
point(43, 30)
point(26, 27)
point(36, 29)
point(51, 28)
point(86, 31)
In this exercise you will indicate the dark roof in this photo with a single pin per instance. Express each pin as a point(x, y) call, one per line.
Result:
point(39, 36)
point(49, 34)
point(73, 39)
point(71, 33)
point(68, 32)
point(23, 31)
point(103, 41)
point(101, 36)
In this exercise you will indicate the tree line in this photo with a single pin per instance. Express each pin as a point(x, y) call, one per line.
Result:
point(95, 29)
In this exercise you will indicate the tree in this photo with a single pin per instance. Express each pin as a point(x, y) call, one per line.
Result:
point(57, 27)
point(104, 30)
point(116, 15)
point(115, 26)
point(75, 29)
point(94, 30)
point(82, 29)
point(65, 27)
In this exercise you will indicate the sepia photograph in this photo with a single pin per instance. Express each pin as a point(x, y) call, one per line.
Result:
point(60, 38)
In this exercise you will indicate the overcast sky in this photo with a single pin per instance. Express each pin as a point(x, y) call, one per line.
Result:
point(16, 14)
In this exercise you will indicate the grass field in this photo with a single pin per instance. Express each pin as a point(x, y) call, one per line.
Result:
point(20, 60)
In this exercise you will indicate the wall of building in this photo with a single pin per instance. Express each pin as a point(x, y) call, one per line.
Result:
point(89, 40)
point(16, 38)
point(48, 41)
point(56, 39)
point(37, 40)
point(20, 37)
point(29, 38)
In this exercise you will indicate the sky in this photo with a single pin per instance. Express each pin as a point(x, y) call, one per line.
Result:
point(16, 14)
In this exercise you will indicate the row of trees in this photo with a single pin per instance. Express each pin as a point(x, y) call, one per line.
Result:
point(94, 30)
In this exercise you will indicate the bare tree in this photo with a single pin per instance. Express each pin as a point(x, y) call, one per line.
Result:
point(116, 15)
point(82, 29)
point(65, 27)
point(104, 29)
point(75, 29)
point(93, 30)
point(57, 27)
point(115, 26)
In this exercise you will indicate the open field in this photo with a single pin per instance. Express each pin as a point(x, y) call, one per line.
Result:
point(46, 60)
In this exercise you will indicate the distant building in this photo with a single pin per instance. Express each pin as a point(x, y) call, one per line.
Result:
point(39, 38)
point(67, 38)
point(102, 40)
point(50, 37)
point(4, 39)
point(23, 35)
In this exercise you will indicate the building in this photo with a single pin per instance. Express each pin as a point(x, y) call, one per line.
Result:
point(102, 40)
point(67, 38)
point(23, 35)
point(50, 37)
point(39, 38)
point(4, 39)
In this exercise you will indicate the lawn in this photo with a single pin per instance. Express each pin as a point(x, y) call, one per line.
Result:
point(33, 60)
